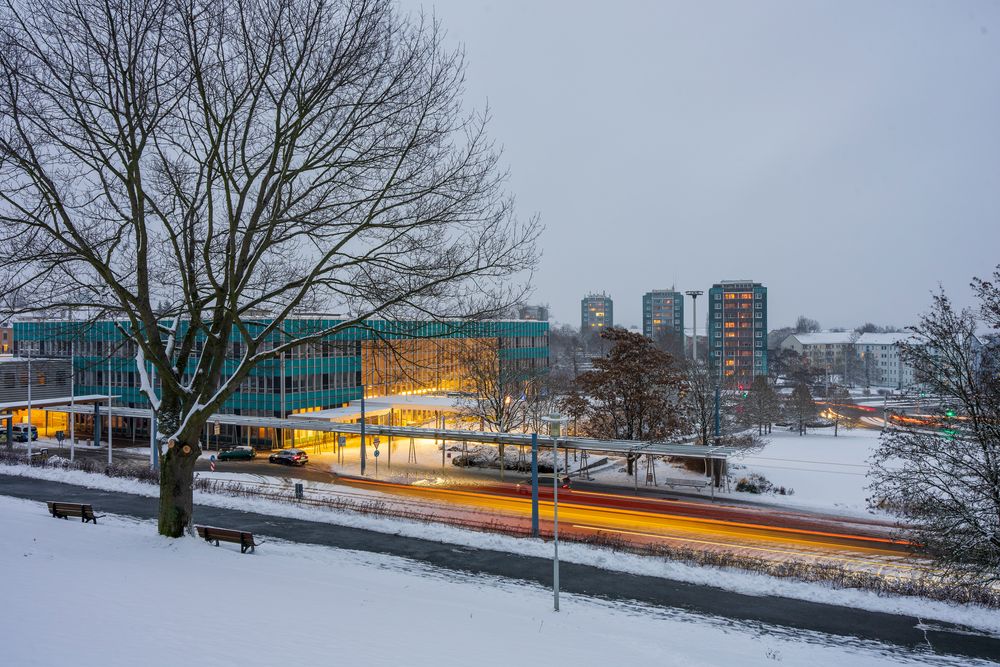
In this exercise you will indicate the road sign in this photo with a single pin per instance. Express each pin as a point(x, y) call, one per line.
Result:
point(375, 441)
point(376, 453)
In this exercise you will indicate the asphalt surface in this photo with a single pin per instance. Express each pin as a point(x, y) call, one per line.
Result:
point(900, 630)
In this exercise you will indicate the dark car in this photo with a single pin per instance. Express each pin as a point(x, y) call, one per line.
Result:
point(289, 457)
point(545, 481)
point(238, 454)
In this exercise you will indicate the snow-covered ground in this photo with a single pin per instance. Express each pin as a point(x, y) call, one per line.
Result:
point(117, 594)
point(725, 578)
point(826, 472)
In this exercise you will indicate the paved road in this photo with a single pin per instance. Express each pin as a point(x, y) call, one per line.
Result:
point(771, 533)
point(906, 631)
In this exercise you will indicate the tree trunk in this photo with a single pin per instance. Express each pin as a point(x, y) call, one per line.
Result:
point(176, 488)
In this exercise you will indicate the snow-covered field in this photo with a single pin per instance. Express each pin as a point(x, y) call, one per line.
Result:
point(117, 594)
point(826, 472)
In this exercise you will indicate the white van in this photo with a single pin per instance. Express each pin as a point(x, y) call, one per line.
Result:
point(21, 432)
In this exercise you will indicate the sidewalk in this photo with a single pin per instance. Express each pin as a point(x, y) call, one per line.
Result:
point(575, 578)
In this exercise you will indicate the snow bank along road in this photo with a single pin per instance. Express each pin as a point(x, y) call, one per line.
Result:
point(901, 630)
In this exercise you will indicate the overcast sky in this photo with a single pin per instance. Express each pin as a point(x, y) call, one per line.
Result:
point(845, 154)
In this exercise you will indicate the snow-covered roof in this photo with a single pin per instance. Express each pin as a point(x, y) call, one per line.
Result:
point(883, 338)
point(823, 338)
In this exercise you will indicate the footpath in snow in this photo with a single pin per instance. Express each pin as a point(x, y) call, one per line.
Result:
point(117, 594)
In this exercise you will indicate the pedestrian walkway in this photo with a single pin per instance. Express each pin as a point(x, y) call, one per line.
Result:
point(574, 578)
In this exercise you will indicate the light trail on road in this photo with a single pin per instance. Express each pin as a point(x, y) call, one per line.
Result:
point(642, 526)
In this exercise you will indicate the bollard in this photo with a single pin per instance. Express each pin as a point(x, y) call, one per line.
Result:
point(298, 490)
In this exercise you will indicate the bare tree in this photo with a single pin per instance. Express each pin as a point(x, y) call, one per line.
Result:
point(240, 162)
point(841, 410)
point(700, 384)
point(806, 325)
point(801, 406)
point(944, 478)
point(496, 391)
point(761, 405)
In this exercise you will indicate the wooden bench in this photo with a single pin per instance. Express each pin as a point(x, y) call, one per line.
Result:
point(39, 456)
point(698, 484)
point(66, 510)
point(240, 537)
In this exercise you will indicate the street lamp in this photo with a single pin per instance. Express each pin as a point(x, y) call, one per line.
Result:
point(555, 423)
point(694, 294)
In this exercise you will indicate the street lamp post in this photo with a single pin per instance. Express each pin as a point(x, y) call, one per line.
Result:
point(363, 452)
point(30, 432)
point(109, 412)
point(555, 423)
point(694, 294)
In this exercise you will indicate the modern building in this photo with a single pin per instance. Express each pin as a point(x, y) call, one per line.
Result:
point(25, 381)
point(597, 312)
point(533, 313)
point(831, 352)
point(380, 358)
point(737, 329)
point(663, 315)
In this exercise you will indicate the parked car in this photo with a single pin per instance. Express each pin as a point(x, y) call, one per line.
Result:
point(238, 454)
point(21, 432)
point(289, 457)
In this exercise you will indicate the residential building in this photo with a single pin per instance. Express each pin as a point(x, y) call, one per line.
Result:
point(663, 315)
point(533, 313)
point(881, 362)
point(379, 358)
point(737, 329)
point(829, 352)
point(597, 312)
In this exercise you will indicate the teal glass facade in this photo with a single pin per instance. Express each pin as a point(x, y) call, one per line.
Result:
point(311, 376)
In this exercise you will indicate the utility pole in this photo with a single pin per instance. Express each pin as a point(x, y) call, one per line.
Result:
point(694, 294)
point(555, 430)
point(363, 452)
point(30, 431)
point(72, 405)
point(534, 485)
point(281, 371)
point(109, 412)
